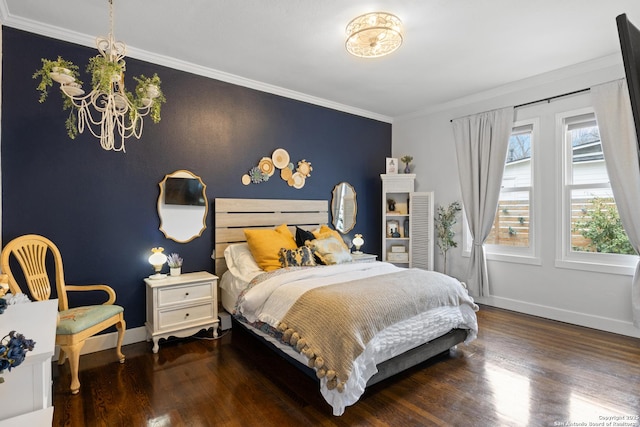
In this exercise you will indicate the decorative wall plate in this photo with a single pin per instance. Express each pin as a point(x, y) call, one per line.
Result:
point(304, 168)
point(298, 180)
point(286, 174)
point(280, 158)
point(266, 166)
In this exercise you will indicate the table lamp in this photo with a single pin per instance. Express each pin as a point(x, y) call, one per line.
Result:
point(157, 259)
point(357, 242)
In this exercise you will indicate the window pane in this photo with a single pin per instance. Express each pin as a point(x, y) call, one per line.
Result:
point(511, 225)
point(587, 160)
point(595, 223)
point(517, 169)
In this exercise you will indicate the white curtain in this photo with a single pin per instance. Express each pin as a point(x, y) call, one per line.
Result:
point(481, 147)
point(620, 148)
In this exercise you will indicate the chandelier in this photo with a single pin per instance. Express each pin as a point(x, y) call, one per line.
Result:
point(374, 34)
point(110, 112)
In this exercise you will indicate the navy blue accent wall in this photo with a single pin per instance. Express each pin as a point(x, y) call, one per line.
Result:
point(99, 207)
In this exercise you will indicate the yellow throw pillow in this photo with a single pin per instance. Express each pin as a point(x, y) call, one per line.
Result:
point(284, 230)
point(265, 245)
point(325, 231)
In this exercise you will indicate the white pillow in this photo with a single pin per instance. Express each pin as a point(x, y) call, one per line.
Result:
point(240, 262)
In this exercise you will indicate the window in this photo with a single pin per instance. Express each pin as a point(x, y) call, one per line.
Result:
point(512, 222)
point(592, 235)
point(512, 234)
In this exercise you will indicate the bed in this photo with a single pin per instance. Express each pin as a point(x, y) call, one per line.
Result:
point(398, 318)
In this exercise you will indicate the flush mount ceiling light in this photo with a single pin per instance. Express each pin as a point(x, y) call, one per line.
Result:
point(374, 34)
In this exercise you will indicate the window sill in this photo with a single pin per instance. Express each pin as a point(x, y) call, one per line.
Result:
point(513, 258)
point(626, 270)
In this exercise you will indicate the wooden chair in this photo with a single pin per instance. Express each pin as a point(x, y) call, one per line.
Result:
point(75, 325)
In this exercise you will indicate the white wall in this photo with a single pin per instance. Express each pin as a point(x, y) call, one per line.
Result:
point(596, 300)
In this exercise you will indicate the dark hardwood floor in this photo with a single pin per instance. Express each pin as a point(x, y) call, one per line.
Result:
point(521, 371)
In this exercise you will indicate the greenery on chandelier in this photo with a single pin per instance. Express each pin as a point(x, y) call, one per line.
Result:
point(48, 67)
point(104, 74)
point(62, 66)
point(142, 89)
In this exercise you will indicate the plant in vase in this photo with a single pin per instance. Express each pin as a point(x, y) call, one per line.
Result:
point(445, 219)
point(175, 264)
point(407, 160)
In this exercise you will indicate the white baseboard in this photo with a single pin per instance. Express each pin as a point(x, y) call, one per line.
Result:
point(107, 341)
point(567, 316)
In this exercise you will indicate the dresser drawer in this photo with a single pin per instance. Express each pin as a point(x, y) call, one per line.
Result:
point(180, 294)
point(182, 316)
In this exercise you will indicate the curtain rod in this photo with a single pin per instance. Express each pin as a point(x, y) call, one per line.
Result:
point(549, 99)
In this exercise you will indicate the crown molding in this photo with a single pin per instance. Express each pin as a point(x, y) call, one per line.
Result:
point(571, 71)
point(86, 40)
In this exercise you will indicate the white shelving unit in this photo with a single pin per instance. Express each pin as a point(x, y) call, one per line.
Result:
point(407, 231)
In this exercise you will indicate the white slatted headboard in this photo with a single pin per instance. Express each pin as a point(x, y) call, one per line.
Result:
point(232, 216)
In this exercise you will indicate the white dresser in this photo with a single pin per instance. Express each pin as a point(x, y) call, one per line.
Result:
point(181, 305)
point(27, 390)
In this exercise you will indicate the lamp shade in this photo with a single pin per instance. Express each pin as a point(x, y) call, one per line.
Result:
point(374, 34)
point(358, 241)
point(157, 259)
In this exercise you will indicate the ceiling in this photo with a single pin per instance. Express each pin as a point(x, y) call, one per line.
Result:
point(452, 48)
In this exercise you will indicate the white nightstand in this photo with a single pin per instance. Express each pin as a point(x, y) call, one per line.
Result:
point(181, 305)
point(363, 257)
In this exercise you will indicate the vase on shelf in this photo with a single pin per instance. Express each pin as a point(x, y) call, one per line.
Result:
point(407, 168)
point(175, 271)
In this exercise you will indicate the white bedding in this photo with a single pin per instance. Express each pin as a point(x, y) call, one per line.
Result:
point(270, 299)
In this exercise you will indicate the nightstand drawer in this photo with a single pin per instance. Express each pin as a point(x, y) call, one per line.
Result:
point(173, 318)
point(362, 257)
point(182, 294)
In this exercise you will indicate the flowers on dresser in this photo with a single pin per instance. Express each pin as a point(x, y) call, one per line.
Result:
point(174, 261)
point(9, 299)
point(13, 350)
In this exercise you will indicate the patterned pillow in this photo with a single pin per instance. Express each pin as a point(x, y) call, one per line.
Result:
point(325, 231)
point(330, 250)
point(300, 257)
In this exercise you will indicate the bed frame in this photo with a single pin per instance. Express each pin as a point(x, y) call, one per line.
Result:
point(232, 216)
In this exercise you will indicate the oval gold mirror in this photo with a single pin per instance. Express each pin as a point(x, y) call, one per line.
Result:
point(344, 207)
point(182, 206)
